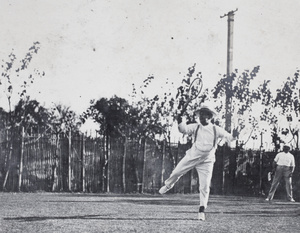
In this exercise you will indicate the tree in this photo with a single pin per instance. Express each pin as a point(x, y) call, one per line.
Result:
point(62, 121)
point(116, 118)
point(3, 123)
point(287, 100)
point(244, 99)
point(30, 115)
point(14, 78)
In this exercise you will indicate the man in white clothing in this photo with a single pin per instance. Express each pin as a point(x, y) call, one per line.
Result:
point(284, 163)
point(201, 155)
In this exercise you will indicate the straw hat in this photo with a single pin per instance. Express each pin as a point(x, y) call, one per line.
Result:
point(207, 108)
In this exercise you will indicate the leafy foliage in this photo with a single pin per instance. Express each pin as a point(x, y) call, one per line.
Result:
point(287, 98)
point(11, 78)
point(62, 119)
point(29, 114)
point(115, 116)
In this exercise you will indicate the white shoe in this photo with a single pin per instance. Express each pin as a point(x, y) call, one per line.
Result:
point(267, 199)
point(201, 216)
point(164, 189)
point(292, 200)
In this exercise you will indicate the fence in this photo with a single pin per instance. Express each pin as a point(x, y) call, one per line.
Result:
point(61, 162)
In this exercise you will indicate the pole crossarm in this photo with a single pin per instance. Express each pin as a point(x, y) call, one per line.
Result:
point(229, 13)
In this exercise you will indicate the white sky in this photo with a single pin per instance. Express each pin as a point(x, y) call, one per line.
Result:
point(92, 49)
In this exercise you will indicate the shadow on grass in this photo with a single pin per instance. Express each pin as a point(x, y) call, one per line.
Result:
point(140, 202)
point(269, 214)
point(90, 217)
point(178, 202)
point(253, 213)
point(43, 218)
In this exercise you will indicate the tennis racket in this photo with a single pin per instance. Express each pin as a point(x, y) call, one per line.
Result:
point(193, 92)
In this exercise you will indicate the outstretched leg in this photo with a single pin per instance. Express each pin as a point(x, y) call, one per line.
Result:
point(275, 182)
point(185, 165)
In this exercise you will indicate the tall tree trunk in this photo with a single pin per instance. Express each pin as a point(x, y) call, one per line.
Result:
point(8, 160)
point(10, 141)
point(8, 169)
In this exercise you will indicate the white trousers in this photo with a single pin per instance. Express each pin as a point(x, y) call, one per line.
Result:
point(204, 170)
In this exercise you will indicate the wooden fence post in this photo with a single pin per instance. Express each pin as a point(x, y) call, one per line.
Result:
point(69, 162)
point(56, 163)
point(144, 165)
point(163, 161)
point(260, 163)
point(21, 160)
point(8, 159)
point(124, 165)
point(83, 163)
point(106, 166)
point(223, 170)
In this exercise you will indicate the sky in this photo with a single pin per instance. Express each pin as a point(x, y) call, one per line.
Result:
point(92, 49)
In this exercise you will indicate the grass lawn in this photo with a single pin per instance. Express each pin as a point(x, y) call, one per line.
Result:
point(77, 212)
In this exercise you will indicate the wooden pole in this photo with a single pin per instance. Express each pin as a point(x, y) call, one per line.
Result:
point(260, 163)
point(83, 163)
point(144, 165)
point(21, 161)
point(124, 165)
point(69, 162)
point(228, 104)
point(228, 100)
point(163, 161)
point(8, 161)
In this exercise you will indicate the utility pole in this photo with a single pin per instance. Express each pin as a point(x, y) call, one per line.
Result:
point(228, 83)
point(228, 103)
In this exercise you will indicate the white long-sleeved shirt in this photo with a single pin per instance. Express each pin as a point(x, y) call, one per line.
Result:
point(203, 146)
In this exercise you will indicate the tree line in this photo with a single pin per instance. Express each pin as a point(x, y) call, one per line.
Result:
point(256, 109)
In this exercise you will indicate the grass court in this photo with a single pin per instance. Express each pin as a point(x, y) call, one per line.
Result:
point(81, 212)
